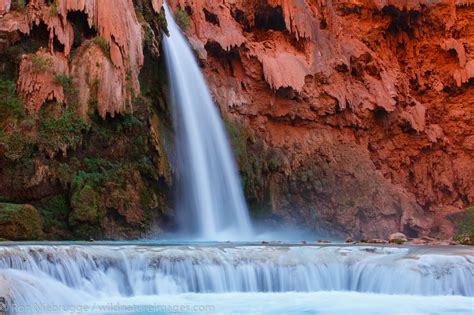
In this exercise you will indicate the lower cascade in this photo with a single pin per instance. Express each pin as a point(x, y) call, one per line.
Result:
point(211, 204)
point(71, 274)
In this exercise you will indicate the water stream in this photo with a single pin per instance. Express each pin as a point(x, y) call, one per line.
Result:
point(227, 278)
point(210, 201)
point(85, 275)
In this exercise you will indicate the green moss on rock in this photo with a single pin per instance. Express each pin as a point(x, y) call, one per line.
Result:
point(58, 134)
point(465, 227)
point(20, 222)
point(10, 104)
point(55, 212)
point(85, 204)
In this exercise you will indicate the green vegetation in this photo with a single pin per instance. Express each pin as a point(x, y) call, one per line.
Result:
point(54, 212)
point(10, 104)
point(53, 8)
point(100, 41)
point(41, 63)
point(182, 19)
point(60, 133)
point(85, 203)
point(19, 222)
point(251, 163)
point(65, 81)
point(163, 24)
point(465, 227)
point(92, 167)
point(18, 4)
point(16, 146)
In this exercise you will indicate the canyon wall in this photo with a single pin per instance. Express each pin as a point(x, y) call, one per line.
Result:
point(82, 131)
point(354, 117)
point(358, 115)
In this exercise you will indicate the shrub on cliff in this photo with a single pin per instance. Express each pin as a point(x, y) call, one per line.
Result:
point(10, 104)
point(465, 227)
point(182, 19)
point(85, 206)
point(59, 134)
point(19, 222)
point(18, 4)
point(41, 63)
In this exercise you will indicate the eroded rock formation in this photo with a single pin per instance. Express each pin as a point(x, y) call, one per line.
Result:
point(369, 104)
point(81, 139)
point(113, 28)
point(349, 116)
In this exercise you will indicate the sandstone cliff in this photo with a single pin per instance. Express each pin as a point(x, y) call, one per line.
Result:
point(363, 108)
point(81, 139)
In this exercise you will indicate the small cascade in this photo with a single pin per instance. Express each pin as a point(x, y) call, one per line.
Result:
point(64, 274)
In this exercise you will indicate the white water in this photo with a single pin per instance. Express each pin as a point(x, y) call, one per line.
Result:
point(321, 303)
point(65, 274)
point(210, 202)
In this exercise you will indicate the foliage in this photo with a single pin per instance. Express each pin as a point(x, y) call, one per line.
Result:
point(53, 8)
point(85, 205)
point(65, 81)
point(182, 19)
point(61, 133)
point(100, 41)
point(251, 164)
point(162, 20)
point(465, 227)
point(54, 212)
point(41, 63)
point(18, 4)
point(10, 104)
point(19, 222)
point(16, 146)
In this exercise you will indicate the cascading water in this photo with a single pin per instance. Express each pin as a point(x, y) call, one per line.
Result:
point(226, 278)
point(210, 199)
point(78, 275)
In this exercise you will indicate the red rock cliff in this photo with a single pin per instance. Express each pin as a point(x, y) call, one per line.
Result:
point(369, 104)
point(353, 116)
point(106, 68)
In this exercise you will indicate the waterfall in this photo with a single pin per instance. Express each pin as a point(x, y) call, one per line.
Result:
point(127, 271)
point(280, 277)
point(210, 201)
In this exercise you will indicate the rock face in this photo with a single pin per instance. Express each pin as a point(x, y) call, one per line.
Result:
point(397, 238)
point(369, 104)
point(349, 116)
point(81, 139)
point(115, 29)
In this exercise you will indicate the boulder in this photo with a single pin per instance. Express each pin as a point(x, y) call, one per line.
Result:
point(398, 238)
point(20, 222)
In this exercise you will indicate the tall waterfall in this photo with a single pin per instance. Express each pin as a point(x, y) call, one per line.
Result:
point(210, 201)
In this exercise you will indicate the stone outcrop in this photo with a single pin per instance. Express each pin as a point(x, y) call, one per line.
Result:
point(79, 141)
point(36, 84)
point(369, 102)
point(353, 116)
point(117, 32)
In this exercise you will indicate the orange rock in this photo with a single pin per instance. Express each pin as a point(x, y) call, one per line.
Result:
point(4, 6)
point(36, 79)
point(360, 98)
point(116, 24)
point(157, 4)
